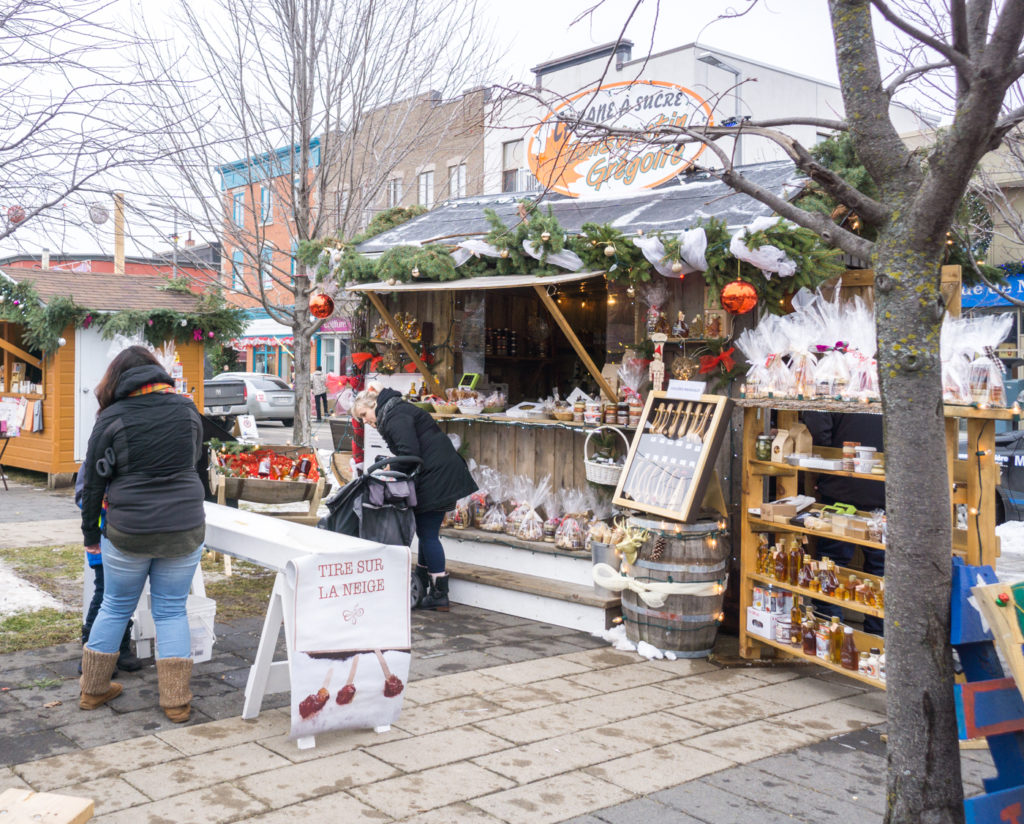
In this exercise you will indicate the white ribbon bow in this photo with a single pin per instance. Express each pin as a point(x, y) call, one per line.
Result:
point(652, 593)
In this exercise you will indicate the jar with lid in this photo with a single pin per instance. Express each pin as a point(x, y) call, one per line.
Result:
point(611, 412)
point(578, 411)
point(864, 665)
point(622, 413)
point(763, 448)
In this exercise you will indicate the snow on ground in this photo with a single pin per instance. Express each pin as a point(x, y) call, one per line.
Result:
point(17, 595)
point(1010, 565)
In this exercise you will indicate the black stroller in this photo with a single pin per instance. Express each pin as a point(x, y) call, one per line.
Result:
point(378, 506)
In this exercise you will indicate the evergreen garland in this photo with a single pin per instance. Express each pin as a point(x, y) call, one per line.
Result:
point(43, 325)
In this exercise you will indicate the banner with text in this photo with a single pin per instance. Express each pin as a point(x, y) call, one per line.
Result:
point(351, 638)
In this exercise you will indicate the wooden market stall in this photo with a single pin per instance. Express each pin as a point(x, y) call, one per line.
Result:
point(57, 386)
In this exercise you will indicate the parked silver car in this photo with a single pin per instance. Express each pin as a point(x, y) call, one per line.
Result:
point(269, 397)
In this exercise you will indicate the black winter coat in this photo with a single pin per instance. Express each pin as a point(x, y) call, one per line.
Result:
point(409, 430)
point(143, 453)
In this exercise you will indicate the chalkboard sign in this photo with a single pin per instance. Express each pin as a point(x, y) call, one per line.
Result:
point(672, 455)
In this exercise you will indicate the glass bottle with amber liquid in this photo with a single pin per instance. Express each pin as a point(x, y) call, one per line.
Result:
point(829, 579)
point(795, 629)
point(849, 657)
point(779, 563)
point(804, 578)
point(795, 561)
point(808, 638)
point(835, 645)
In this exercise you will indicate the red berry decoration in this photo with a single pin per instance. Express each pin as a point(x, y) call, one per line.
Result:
point(738, 297)
point(1002, 599)
point(15, 214)
point(321, 306)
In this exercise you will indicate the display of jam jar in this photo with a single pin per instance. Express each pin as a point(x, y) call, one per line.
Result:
point(763, 448)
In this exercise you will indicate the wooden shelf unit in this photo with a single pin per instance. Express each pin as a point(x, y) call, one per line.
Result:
point(969, 478)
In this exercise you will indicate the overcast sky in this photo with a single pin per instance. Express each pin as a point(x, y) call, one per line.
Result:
point(791, 34)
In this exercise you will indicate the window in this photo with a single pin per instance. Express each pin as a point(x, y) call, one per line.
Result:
point(457, 180)
point(511, 163)
point(266, 205)
point(425, 182)
point(238, 208)
point(394, 192)
point(266, 262)
point(237, 272)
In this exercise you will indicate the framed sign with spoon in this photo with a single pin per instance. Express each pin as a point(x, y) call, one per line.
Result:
point(672, 456)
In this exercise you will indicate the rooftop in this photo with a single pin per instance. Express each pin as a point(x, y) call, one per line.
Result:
point(102, 292)
point(672, 208)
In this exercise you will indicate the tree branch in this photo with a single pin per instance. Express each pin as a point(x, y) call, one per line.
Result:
point(913, 71)
point(829, 232)
point(956, 58)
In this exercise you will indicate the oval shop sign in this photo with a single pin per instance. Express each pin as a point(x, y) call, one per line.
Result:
point(566, 164)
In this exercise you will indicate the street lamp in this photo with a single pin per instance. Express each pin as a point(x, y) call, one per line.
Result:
point(714, 60)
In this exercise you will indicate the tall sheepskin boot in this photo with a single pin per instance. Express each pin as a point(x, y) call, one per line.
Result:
point(95, 683)
point(173, 676)
point(437, 595)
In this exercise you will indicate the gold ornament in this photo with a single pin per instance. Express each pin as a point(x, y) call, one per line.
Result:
point(545, 236)
point(415, 271)
point(503, 253)
point(677, 267)
point(609, 250)
point(392, 281)
point(631, 291)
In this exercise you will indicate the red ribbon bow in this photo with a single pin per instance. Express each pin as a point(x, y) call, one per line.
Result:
point(709, 362)
point(360, 358)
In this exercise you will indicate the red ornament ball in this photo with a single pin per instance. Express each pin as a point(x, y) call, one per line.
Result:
point(321, 306)
point(738, 297)
point(15, 214)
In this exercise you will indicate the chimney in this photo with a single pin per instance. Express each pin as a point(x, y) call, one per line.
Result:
point(189, 243)
point(118, 233)
point(44, 260)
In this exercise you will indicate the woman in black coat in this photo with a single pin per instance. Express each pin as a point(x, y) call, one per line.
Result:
point(442, 480)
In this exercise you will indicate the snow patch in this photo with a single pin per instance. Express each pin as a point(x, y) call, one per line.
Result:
point(1010, 565)
point(17, 595)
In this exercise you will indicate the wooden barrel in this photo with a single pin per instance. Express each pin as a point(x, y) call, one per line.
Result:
point(685, 625)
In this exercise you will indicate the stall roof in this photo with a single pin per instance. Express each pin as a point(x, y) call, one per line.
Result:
point(490, 282)
point(103, 292)
point(672, 208)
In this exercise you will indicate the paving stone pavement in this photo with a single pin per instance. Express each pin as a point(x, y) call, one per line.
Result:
point(505, 720)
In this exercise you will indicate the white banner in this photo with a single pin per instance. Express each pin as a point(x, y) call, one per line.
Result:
point(351, 638)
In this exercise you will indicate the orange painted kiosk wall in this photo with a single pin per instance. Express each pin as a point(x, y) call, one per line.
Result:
point(52, 450)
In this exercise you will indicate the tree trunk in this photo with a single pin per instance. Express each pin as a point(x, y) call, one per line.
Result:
point(924, 785)
point(302, 333)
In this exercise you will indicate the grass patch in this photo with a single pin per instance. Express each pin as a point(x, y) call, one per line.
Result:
point(244, 594)
point(43, 628)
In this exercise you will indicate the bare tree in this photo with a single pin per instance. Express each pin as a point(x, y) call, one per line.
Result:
point(970, 52)
point(72, 115)
point(317, 101)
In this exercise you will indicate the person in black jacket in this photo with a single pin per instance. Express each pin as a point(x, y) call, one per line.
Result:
point(142, 456)
point(442, 480)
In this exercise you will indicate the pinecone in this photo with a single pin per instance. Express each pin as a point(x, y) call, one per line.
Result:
point(659, 548)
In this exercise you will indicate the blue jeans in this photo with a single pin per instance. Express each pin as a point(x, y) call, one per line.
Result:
point(428, 531)
point(124, 577)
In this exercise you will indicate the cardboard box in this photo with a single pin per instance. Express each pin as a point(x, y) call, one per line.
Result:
point(759, 622)
point(779, 511)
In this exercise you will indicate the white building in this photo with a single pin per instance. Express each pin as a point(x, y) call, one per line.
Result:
point(606, 84)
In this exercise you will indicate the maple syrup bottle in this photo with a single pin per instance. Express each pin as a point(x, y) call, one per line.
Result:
point(809, 639)
point(796, 557)
point(795, 632)
point(804, 578)
point(779, 569)
point(849, 658)
point(829, 579)
point(835, 646)
point(823, 641)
